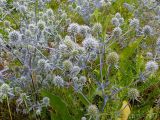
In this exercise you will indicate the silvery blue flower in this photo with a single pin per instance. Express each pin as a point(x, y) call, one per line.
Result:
point(58, 81)
point(147, 30)
point(14, 36)
point(151, 66)
point(134, 23)
point(90, 44)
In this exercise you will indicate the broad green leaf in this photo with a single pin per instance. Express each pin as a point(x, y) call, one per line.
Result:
point(58, 105)
point(127, 63)
point(127, 52)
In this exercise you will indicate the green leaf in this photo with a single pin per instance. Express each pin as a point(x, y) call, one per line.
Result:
point(139, 63)
point(96, 13)
point(58, 105)
point(97, 73)
point(83, 99)
point(127, 63)
point(127, 52)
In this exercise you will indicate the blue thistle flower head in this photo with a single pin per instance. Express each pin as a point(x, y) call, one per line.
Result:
point(90, 44)
point(14, 36)
point(58, 81)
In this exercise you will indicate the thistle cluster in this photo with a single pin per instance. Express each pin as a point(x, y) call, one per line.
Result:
point(47, 49)
point(86, 7)
point(79, 83)
point(75, 29)
point(27, 39)
point(134, 23)
point(117, 20)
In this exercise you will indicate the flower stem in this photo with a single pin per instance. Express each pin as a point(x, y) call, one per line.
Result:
point(9, 109)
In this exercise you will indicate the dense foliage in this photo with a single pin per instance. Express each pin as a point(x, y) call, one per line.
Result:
point(79, 59)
